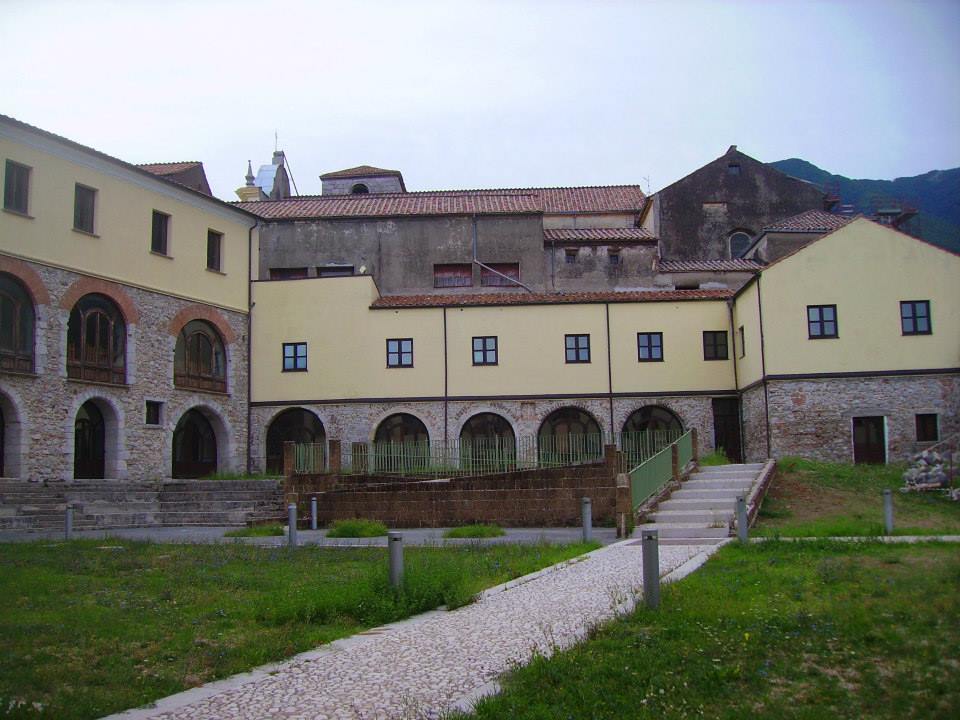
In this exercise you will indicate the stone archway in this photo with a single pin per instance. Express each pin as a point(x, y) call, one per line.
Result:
point(195, 451)
point(11, 438)
point(292, 425)
point(89, 442)
point(569, 435)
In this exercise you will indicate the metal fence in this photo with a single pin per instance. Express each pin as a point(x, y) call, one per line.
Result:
point(482, 456)
point(654, 472)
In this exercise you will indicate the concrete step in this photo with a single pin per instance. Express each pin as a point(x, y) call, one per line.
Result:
point(676, 503)
point(734, 467)
point(717, 485)
point(688, 493)
point(707, 517)
point(683, 530)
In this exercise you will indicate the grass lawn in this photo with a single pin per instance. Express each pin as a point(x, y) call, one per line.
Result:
point(772, 630)
point(475, 531)
point(257, 531)
point(92, 627)
point(823, 499)
point(358, 528)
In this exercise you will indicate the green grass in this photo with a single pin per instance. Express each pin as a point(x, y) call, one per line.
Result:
point(256, 531)
point(817, 499)
point(475, 531)
point(717, 457)
point(93, 627)
point(358, 528)
point(802, 631)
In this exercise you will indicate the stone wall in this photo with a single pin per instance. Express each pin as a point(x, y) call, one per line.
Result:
point(813, 418)
point(40, 409)
point(752, 410)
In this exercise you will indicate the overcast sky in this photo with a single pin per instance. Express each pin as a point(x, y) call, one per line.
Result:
point(492, 94)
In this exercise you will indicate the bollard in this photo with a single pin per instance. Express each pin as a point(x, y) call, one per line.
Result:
point(743, 525)
point(888, 511)
point(68, 524)
point(586, 518)
point(292, 525)
point(313, 513)
point(395, 543)
point(651, 568)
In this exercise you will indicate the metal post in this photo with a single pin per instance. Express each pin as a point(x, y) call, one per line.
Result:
point(395, 543)
point(313, 513)
point(586, 518)
point(68, 524)
point(888, 511)
point(743, 525)
point(292, 525)
point(651, 568)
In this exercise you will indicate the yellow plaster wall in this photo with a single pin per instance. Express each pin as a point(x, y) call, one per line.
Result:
point(346, 342)
point(683, 366)
point(123, 215)
point(531, 350)
point(865, 269)
point(747, 314)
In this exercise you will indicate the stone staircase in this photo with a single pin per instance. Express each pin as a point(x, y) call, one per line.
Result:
point(104, 504)
point(701, 511)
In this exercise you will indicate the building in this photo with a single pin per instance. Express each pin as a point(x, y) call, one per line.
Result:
point(123, 316)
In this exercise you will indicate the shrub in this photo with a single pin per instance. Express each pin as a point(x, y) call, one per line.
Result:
point(357, 528)
point(475, 531)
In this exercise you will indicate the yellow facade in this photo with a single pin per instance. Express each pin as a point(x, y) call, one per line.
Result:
point(866, 270)
point(119, 248)
point(746, 314)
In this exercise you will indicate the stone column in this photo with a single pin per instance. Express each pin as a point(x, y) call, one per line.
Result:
point(333, 464)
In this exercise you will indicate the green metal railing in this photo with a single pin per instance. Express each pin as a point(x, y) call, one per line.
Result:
point(309, 458)
point(653, 473)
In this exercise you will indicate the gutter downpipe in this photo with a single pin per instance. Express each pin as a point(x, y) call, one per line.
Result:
point(256, 224)
point(763, 365)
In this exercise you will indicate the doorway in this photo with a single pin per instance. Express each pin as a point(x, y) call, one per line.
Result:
point(869, 440)
point(89, 443)
point(726, 428)
point(194, 447)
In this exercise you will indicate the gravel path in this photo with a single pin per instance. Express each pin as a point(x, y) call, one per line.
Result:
point(426, 666)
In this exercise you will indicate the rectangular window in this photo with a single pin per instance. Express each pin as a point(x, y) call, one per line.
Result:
point(915, 317)
point(400, 352)
point(84, 207)
point(295, 357)
point(613, 258)
point(577, 348)
point(733, 169)
point(458, 275)
point(158, 237)
point(822, 321)
point(570, 256)
point(288, 273)
point(650, 347)
point(335, 271)
point(714, 344)
point(743, 342)
point(928, 429)
point(492, 279)
point(485, 350)
point(16, 187)
point(153, 412)
point(214, 247)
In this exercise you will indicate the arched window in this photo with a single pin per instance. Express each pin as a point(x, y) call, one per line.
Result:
point(647, 431)
point(401, 445)
point(359, 189)
point(740, 242)
point(487, 443)
point(96, 341)
point(199, 360)
point(652, 417)
point(194, 446)
point(293, 425)
point(16, 326)
point(569, 435)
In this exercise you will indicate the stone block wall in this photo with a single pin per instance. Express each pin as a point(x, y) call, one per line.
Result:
point(752, 410)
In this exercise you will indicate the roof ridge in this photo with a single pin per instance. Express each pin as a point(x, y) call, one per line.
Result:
point(171, 162)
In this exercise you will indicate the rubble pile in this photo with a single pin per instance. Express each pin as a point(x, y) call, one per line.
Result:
point(927, 471)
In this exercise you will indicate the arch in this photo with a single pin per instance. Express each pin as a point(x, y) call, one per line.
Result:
point(738, 242)
point(568, 435)
point(195, 450)
point(652, 417)
point(359, 189)
point(401, 444)
point(291, 425)
point(487, 442)
point(28, 277)
point(96, 286)
point(199, 358)
point(202, 312)
point(96, 341)
point(17, 325)
point(89, 442)
point(12, 434)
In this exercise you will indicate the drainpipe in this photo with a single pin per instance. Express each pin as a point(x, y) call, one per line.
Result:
point(253, 227)
point(487, 267)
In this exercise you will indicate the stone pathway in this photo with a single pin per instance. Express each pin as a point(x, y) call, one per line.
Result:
point(431, 664)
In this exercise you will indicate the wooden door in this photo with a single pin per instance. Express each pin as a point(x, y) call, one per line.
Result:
point(726, 427)
point(869, 441)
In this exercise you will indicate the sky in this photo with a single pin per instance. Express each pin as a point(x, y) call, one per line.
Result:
point(492, 94)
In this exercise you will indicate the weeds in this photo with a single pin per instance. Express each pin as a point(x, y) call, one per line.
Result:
point(358, 528)
point(475, 531)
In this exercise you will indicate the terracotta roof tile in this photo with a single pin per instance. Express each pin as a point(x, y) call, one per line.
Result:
point(736, 265)
point(518, 298)
point(810, 221)
point(169, 168)
point(359, 171)
point(588, 235)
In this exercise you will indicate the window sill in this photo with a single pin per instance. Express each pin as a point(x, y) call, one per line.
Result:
point(80, 381)
point(20, 373)
point(85, 232)
point(26, 216)
point(215, 271)
point(294, 370)
point(716, 359)
point(162, 255)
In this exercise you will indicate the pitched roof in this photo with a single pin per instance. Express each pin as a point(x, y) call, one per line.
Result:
point(426, 301)
point(169, 168)
point(359, 171)
point(614, 198)
point(810, 221)
point(598, 235)
point(735, 265)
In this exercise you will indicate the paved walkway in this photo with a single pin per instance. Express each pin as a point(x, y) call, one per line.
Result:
point(439, 661)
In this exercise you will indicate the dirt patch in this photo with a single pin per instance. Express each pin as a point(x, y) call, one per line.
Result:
point(804, 501)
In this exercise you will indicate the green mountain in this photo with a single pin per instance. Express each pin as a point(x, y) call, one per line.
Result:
point(935, 195)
